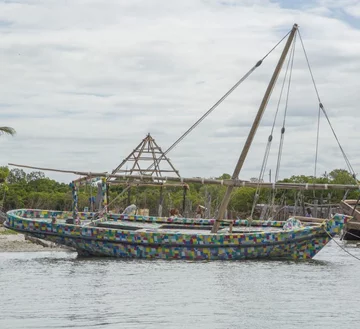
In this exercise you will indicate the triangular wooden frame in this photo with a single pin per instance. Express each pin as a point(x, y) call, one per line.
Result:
point(149, 152)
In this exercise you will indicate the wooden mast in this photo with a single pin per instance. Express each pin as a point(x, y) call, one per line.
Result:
point(254, 127)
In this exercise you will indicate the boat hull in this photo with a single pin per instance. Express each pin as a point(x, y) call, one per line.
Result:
point(296, 243)
point(295, 250)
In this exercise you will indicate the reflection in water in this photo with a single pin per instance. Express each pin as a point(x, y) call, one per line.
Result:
point(62, 290)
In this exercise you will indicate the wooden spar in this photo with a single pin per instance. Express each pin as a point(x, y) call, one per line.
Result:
point(229, 182)
point(126, 159)
point(309, 219)
point(80, 173)
point(142, 170)
point(183, 180)
point(146, 184)
point(252, 132)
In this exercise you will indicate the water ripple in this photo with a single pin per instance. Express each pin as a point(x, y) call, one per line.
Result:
point(61, 290)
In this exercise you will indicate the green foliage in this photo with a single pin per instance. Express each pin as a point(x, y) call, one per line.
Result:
point(33, 190)
point(7, 131)
point(225, 176)
point(242, 199)
point(337, 176)
point(4, 173)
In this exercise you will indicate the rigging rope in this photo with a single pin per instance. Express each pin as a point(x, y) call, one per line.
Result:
point(102, 212)
point(285, 112)
point(321, 106)
point(348, 252)
point(268, 146)
point(282, 133)
point(317, 144)
point(217, 103)
point(348, 232)
point(270, 138)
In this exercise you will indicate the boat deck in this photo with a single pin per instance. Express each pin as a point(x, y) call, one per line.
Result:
point(129, 225)
point(177, 228)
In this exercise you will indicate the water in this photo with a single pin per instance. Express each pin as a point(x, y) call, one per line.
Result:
point(60, 290)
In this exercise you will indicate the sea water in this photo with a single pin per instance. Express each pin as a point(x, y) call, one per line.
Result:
point(61, 290)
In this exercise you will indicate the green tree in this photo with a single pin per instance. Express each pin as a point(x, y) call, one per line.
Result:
point(7, 131)
point(242, 199)
point(4, 173)
point(16, 176)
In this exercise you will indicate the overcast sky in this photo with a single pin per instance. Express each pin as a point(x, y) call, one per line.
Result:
point(84, 81)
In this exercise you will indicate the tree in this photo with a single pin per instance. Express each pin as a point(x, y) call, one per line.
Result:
point(256, 180)
point(4, 173)
point(17, 176)
point(7, 131)
point(35, 175)
point(341, 176)
point(242, 199)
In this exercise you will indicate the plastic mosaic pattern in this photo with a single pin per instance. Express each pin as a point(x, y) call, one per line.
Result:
point(299, 242)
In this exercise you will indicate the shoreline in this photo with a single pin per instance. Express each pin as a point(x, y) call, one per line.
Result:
point(16, 242)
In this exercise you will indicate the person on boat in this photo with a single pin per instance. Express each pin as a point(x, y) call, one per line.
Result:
point(308, 212)
point(130, 210)
point(175, 213)
point(200, 211)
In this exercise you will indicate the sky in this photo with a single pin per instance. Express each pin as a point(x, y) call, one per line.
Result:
point(83, 82)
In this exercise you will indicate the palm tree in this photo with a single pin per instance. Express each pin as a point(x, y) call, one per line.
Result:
point(7, 131)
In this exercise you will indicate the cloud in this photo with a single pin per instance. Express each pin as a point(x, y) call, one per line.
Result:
point(84, 82)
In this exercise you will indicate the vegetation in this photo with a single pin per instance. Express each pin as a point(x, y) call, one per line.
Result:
point(34, 190)
point(7, 131)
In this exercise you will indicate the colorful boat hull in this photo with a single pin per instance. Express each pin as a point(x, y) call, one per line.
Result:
point(290, 243)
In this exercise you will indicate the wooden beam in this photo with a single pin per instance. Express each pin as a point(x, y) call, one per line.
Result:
point(309, 219)
point(146, 170)
point(225, 182)
point(80, 173)
point(151, 184)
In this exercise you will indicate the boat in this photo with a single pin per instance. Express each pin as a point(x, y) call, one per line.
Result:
point(189, 239)
point(132, 236)
point(351, 230)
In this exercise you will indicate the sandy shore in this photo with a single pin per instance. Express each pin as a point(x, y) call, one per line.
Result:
point(17, 242)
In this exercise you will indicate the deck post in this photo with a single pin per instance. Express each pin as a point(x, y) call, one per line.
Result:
point(252, 132)
point(128, 197)
point(75, 200)
point(184, 201)
point(104, 201)
point(161, 199)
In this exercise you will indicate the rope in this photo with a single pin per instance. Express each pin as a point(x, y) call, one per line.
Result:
point(281, 143)
point(348, 252)
point(356, 204)
point(324, 112)
point(268, 146)
point(341, 148)
point(102, 212)
point(122, 192)
point(285, 112)
point(317, 144)
point(217, 103)
point(348, 232)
